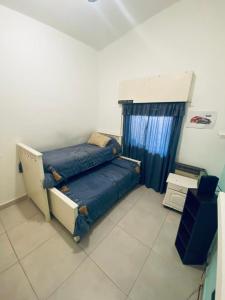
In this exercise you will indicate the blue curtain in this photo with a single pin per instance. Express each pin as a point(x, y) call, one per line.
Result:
point(151, 133)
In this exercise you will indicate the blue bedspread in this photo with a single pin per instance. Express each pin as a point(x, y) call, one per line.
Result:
point(100, 188)
point(73, 160)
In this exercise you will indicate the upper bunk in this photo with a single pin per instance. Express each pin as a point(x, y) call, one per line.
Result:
point(61, 164)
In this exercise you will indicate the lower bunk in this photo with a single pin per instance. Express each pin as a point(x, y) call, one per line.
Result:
point(78, 201)
point(92, 194)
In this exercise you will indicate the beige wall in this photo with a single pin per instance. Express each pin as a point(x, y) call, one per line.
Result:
point(188, 36)
point(48, 92)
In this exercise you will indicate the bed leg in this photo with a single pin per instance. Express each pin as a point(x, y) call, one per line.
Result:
point(77, 239)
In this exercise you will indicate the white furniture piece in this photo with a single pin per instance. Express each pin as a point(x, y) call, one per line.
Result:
point(51, 200)
point(177, 187)
point(161, 88)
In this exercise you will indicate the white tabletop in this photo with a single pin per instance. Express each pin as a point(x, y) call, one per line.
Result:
point(182, 181)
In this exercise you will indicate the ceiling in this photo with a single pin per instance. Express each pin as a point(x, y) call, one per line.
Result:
point(96, 24)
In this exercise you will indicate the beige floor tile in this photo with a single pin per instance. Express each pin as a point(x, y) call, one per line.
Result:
point(50, 264)
point(18, 213)
point(161, 280)
point(88, 282)
point(2, 229)
point(174, 216)
point(152, 202)
point(14, 285)
point(125, 204)
point(99, 231)
point(165, 243)
point(27, 236)
point(7, 255)
point(142, 225)
point(121, 257)
point(136, 194)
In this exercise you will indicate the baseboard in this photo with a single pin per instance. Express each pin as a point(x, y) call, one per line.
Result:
point(13, 201)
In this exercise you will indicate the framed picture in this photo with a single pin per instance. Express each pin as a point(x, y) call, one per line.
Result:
point(201, 119)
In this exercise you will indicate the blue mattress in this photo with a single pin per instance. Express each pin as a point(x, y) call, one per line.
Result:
point(73, 160)
point(100, 188)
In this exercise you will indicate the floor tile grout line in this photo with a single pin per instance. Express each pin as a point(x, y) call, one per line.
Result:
point(115, 224)
point(145, 245)
point(55, 234)
point(70, 275)
point(114, 283)
point(160, 229)
point(37, 247)
point(28, 279)
point(139, 273)
point(134, 237)
point(21, 223)
point(18, 261)
point(132, 206)
point(101, 241)
point(151, 249)
point(7, 268)
point(89, 255)
point(16, 204)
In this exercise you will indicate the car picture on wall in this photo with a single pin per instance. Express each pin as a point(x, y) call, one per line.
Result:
point(201, 119)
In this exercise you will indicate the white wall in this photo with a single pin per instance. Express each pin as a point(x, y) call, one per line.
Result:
point(187, 36)
point(48, 92)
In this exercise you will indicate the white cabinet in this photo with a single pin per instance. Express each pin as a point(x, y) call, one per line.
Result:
point(177, 189)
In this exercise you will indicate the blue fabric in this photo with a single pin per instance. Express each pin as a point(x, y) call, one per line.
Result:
point(150, 134)
point(73, 160)
point(99, 189)
point(49, 181)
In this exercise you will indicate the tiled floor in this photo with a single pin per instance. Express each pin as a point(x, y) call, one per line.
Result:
point(129, 254)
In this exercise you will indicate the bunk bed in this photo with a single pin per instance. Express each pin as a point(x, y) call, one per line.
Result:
point(78, 184)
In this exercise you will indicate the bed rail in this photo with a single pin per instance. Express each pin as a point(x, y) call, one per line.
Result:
point(63, 208)
point(131, 159)
point(33, 174)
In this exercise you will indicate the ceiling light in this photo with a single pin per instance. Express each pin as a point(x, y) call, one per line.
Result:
point(92, 0)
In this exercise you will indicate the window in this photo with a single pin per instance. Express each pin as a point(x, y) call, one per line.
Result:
point(150, 133)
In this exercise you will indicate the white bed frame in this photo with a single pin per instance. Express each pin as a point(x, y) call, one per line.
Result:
point(51, 200)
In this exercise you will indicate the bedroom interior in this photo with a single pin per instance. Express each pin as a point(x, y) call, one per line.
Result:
point(112, 149)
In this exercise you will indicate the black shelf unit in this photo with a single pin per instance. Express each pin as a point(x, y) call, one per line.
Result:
point(197, 228)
